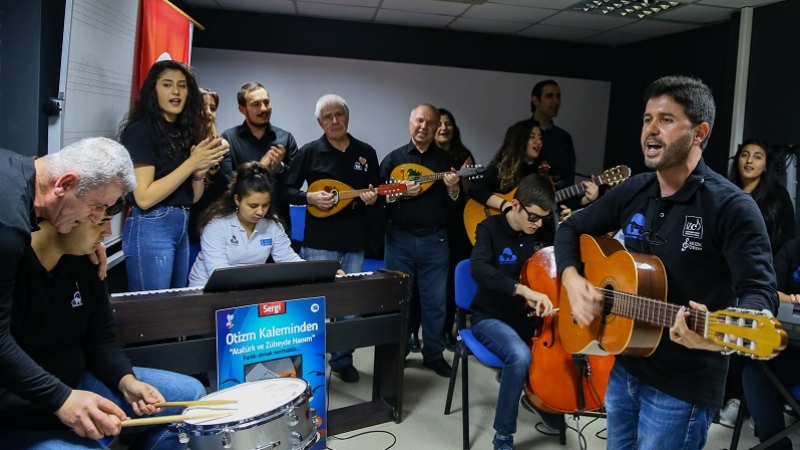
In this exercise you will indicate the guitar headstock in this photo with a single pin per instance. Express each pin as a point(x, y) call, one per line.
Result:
point(472, 172)
point(752, 333)
point(392, 189)
point(614, 176)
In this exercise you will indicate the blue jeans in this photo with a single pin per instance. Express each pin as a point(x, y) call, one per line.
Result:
point(156, 247)
point(763, 399)
point(425, 259)
point(173, 387)
point(351, 262)
point(644, 418)
point(504, 342)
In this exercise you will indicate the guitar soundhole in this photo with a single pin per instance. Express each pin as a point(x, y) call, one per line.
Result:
point(608, 300)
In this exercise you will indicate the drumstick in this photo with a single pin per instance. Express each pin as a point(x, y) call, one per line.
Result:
point(171, 419)
point(195, 403)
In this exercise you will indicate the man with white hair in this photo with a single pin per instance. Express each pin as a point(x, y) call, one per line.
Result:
point(72, 186)
point(339, 156)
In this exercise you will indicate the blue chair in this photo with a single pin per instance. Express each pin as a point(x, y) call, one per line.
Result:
point(466, 345)
point(298, 214)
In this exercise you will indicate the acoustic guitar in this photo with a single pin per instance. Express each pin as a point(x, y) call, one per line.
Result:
point(634, 311)
point(476, 212)
point(423, 175)
point(343, 194)
point(559, 382)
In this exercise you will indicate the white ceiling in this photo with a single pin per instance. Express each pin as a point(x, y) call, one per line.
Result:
point(545, 19)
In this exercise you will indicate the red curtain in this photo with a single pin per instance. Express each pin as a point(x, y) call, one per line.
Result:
point(164, 34)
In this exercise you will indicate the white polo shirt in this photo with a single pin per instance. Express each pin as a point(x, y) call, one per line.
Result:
point(224, 243)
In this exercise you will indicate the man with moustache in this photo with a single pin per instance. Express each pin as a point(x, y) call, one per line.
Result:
point(338, 156)
point(710, 236)
point(416, 233)
point(256, 139)
point(72, 186)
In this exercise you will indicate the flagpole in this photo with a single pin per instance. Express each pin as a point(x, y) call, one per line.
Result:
point(196, 23)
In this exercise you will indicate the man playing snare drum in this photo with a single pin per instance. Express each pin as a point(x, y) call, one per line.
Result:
point(61, 319)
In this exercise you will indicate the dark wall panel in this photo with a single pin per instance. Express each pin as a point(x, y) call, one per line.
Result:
point(772, 111)
point(236, 30)
point(708, 53)
point(30, 60)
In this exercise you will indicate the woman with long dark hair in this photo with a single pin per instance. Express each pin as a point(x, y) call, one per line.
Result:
point(166, 133)
point(242, 227)
point(756, 169)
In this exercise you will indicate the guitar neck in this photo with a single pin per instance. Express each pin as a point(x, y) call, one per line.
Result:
point(569, 192)
point(654, 312)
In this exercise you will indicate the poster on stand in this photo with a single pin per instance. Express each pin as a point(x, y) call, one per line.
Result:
point(275, 339)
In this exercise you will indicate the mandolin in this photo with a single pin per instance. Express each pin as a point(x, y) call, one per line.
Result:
point(634, 311)
point(423, 175)
point(343, 194)
point(475, 212)
point(559, 382)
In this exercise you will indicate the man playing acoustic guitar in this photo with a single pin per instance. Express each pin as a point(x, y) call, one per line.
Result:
point(338, 156)
point(714, 248)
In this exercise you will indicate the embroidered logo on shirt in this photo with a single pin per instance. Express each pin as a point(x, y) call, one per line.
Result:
point(507, 257)
point(634, 229)
point(796, 275)
point(266, 242)
point(76, 297)
point(234, 241)
point(357, 166)
point(693, 227)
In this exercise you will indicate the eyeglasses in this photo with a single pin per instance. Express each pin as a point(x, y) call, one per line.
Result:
point(532, 217)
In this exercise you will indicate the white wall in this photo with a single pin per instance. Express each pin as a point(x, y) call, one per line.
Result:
point(381, 96)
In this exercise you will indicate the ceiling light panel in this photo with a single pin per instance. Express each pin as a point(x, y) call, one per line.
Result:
point(631, 9)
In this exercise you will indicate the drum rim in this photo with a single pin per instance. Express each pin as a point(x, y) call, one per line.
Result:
point(246, 424)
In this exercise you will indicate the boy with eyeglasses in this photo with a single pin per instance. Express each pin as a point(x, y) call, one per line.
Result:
point(506, 312)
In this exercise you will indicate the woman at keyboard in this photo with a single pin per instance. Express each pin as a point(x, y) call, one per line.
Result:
point(241, 227)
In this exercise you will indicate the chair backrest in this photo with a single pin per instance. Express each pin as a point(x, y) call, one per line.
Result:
point(298, 213)
point(466, 287)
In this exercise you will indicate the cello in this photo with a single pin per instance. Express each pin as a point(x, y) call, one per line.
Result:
point(559, 382)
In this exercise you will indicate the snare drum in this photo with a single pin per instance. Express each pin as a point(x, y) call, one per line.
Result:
point(269, 414)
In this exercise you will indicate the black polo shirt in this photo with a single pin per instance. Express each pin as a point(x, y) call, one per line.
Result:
point(712, 240)
point(357, 167)
point(245, 147)
point(428, 210)
point(787, 267)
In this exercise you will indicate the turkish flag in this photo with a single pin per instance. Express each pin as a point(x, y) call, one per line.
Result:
point(165, 33)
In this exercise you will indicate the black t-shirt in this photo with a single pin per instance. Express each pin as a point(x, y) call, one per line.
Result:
point(357, 167)
point(497, 259)
point(165, 155)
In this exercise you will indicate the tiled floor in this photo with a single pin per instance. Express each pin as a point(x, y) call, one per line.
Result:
point(426, 427)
